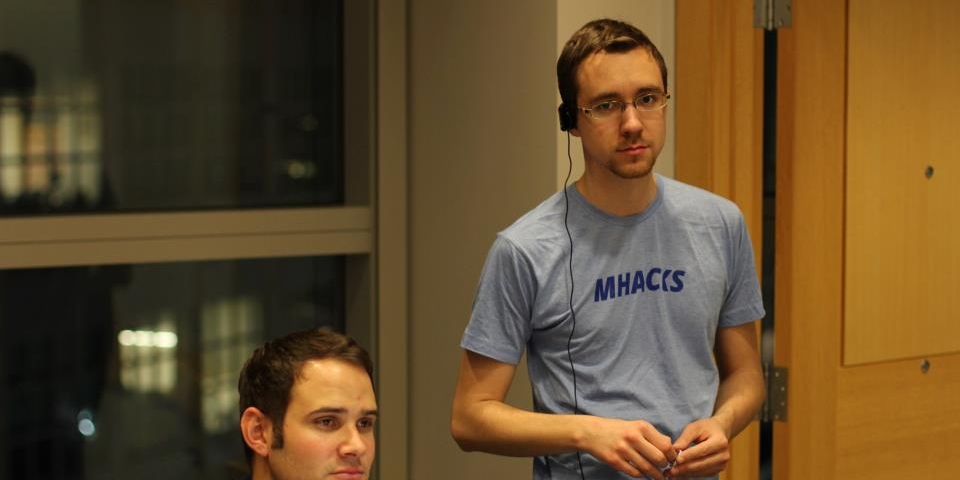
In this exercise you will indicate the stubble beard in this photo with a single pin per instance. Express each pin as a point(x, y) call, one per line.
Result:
point(629, 172)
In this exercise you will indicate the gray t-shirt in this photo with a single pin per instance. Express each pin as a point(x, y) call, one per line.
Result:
point(649, 292)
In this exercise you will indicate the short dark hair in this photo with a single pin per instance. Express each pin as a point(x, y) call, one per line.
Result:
point(605, 34)
point(269, 374)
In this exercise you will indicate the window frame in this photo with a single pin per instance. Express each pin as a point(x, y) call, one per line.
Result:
point(370, 229)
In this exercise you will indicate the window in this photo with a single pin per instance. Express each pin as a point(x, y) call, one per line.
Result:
point(118, 371)
point(178, 183)
point(144, 106)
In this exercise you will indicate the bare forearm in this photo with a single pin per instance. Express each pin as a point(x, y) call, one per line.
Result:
point(635, 448)
point(495, 427)
point(739, 398)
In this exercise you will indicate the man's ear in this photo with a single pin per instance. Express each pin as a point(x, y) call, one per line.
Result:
point(257, 430)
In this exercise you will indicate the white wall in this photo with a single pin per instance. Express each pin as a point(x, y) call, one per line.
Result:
point(484, 147)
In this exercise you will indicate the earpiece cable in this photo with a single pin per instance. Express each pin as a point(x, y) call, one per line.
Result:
point(573, 315)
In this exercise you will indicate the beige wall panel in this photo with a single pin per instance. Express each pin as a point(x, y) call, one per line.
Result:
point(392, 247)
point(903, 229)
point(482, 126)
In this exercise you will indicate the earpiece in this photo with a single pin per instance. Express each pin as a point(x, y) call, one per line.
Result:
point(568, 121)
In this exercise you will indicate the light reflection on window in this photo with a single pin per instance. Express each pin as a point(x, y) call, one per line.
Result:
point(230, 330)
point(50, 151)
point(148, 358)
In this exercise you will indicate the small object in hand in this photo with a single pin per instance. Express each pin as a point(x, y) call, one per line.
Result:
point(671, 464)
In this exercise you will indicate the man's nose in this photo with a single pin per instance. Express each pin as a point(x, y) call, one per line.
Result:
point(354, 443)
point(631, 119)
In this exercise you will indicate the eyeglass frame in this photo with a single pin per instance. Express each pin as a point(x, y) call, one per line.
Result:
point(589, 111)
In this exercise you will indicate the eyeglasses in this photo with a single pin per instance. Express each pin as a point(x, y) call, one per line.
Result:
point(608, 109)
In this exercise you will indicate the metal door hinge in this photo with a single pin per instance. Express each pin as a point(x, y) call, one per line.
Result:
point(775, 408)
point(772, 14)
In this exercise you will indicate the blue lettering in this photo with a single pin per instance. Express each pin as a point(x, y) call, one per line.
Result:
point(604, 290)
point(629, 283)
point(623, 284)
point(637, 282)
point(653, 287)
point(677, 281)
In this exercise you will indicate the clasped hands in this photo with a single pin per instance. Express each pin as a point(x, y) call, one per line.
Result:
point(638, 449)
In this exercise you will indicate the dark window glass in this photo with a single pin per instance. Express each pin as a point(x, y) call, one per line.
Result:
point(130, 371)
point(131, 105)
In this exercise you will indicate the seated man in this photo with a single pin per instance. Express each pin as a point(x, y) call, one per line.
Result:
point(308, 409)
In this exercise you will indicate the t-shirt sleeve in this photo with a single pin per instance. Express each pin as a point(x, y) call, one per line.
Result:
point(499, 324)
point(744, 302)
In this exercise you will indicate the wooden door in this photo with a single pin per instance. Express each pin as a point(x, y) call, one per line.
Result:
point(867, 240)
point(868, 234)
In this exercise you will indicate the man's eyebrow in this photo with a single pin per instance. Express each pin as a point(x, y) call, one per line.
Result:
point(651, 89)
point(600, 97)
point(341, 411)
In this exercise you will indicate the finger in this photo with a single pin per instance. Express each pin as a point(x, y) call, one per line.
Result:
point(644, 466)
point(624, 460)
point(655, 446)
point(700, 465)
point(672, 453)
point(696, 451)
point(629, 468)
point(626, 467)
point(701, 468)
point(689, 435)
point(654, 455)
point(651, 460)
point(668, 451)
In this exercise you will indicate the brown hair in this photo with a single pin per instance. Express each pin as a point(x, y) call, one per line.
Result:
point(608, 35)
point(269, 374)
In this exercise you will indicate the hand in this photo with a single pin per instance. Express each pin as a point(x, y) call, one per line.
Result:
point(635, 448)
point(704, 450)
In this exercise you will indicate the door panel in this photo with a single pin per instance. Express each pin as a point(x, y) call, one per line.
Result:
point(894, 421)
point(902, 227)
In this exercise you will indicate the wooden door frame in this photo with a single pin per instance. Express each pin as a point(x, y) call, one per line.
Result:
point(719, 147)
point(809, 236)
point(719, 125)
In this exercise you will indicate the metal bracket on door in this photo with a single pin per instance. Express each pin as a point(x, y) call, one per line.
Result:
point(772, 14)
point(775, 408)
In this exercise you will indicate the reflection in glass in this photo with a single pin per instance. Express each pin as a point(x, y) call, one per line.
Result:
point(143, 106)
point(129, 372)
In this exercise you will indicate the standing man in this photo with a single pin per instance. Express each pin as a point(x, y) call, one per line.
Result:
point(634, 296)
point(308, 409)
